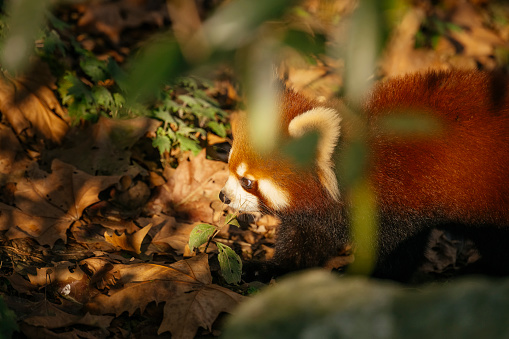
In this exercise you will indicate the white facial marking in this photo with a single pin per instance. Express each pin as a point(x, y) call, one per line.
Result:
point(230, 154)
point(327, 122)
point(240, 199)
point(275, 196)
point(241, 170)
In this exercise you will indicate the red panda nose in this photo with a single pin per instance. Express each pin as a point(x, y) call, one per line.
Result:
point(224, 198)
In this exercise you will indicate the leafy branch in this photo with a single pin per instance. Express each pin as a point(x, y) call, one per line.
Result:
point(229, 261)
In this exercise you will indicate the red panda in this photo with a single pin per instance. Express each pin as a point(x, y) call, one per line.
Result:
point(457, 180)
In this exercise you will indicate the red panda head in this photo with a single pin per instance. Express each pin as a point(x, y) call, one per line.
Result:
point(274, 182)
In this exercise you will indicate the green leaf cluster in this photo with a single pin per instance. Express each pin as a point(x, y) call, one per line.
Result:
point(90, 87)
point(188, 113)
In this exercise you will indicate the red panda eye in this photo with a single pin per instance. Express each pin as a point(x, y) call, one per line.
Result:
point(246, 183)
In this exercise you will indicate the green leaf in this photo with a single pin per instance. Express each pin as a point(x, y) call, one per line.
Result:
point(103, 97)
point(187, 144)
point(231, 219)
point(230, 263)
point(188, 100)
point(164, 116)
point(52, 42)
point(162, 143)
point(71, 89)
point(217, 128)
point(94, 68)
point(200, 235)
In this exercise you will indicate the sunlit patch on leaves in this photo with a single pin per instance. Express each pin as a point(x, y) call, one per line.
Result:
point(230, 263)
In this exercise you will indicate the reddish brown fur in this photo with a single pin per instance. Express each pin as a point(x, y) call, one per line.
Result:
point(457, 180)
point(464, 173)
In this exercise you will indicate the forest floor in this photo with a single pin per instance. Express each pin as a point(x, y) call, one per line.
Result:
point(95, 223)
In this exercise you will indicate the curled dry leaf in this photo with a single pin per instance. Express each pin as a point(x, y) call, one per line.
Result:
point(46, 205)
point(31, 107)
point(191, 300)
point(131, 242)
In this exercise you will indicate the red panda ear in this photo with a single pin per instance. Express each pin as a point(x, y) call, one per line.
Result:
point(326, 121)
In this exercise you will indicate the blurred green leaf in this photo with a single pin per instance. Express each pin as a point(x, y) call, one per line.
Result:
point(200, 235)
point(94, 68)
point(303, 150)
point(162, 143)
point(353, 160)
point(187, 144)
point(230, 263)
point(235, 24)
point(217, 128)
point(26, 17)
point(157, 63)
point(411, 125)
point(305, 43)
point(8, 322)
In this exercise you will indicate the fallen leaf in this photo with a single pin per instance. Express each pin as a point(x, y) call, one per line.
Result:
point(13, 161)
point(46, 205)
point(191, 300)
point(31, 107)
point(106, 144)
point(176, 234)
point(49, 316)
point(131, 242)
point(192, 187)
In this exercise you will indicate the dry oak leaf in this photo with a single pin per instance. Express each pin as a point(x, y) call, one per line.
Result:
point(131, 242)
point(31, 107)
point(191, 300)
point(46, 205)
point(193, 186)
